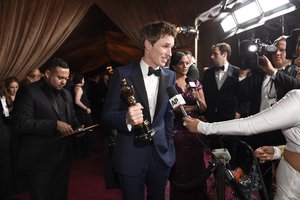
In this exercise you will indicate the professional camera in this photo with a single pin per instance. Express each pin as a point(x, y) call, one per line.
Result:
point(292, 43)
point(251, 50)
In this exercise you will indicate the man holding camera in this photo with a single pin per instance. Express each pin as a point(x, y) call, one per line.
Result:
point(264, 87)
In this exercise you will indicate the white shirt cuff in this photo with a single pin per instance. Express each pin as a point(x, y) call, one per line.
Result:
point(277, 153)
point(129, 126)
point(199, 127)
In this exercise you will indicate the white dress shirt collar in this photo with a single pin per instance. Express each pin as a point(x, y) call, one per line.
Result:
point(144, 67)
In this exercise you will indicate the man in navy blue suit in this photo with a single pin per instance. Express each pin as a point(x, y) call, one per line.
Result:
point(148, 165)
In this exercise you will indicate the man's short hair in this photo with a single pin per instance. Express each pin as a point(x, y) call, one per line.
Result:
point(154, 31)
point(54, 62)
point(280, 38)
point(223, 47)
point(188, 53)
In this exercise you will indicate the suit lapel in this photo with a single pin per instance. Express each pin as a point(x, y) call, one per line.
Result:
point(163, 83)
point(228, 78)
point(139, 88)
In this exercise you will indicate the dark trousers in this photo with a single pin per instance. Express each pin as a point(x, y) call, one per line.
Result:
point(49, 184)
point(154, 177)
point(6, 178)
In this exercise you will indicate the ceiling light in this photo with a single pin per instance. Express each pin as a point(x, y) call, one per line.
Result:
point(247, 13)
point(228, 23)
point(268, 5)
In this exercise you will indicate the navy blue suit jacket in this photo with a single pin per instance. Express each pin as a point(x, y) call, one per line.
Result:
point(129, 159)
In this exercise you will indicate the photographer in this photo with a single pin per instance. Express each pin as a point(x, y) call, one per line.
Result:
point(267, 84)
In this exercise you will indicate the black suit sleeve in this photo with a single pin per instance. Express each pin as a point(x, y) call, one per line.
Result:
point(31, 114)
point(286, 81)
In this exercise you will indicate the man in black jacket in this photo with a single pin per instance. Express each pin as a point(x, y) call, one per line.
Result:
point(221, 86)
point(264, 87)
point(43, 111)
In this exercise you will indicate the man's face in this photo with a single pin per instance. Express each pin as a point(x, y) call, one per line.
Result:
point(57, 78)
point(218, 58)
point(279, 58)
point(159, 53)
point(189, 56)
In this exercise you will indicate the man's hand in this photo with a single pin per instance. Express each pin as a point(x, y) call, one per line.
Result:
point(266, 65)
point(264, 153)
point(191, 124)
point(63, 127)
point(134, 115)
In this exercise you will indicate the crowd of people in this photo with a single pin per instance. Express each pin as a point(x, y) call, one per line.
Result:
point(35, 112)
point(258, 105)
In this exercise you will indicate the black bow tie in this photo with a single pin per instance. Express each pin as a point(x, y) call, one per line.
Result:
point(219, 68)
point(153, 71)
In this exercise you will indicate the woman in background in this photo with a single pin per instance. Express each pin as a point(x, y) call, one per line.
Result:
point(83, 145)
point(8, 139)
point(189, 150)
point(11, 86)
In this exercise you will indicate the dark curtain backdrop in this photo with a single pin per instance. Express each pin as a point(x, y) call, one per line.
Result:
point(31, 31)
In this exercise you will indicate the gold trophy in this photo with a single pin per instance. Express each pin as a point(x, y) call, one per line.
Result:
point(142, 133)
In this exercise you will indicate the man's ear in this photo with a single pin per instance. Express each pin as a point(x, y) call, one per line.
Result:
point(147, 45)
point(47, 73)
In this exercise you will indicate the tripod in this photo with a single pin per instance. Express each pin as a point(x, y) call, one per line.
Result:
point(242, 189)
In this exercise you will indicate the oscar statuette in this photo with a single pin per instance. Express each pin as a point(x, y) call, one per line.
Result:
point(142, 133)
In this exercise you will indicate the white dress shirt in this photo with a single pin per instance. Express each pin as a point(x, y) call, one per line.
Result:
point(221, 75)
point(151, 84)
point(268, 93)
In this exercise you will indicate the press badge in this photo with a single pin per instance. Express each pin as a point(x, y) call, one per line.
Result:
point(4, 107)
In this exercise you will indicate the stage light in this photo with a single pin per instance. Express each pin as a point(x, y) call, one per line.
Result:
point(241, 15)
point(268, 5)
point(248, 12)
point(228, 23)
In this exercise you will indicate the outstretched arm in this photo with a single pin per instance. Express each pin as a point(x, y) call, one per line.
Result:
point(284, 114)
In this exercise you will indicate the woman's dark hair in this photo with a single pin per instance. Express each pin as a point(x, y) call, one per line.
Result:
point(9, 80)
point(175, 59)
point(77, 78)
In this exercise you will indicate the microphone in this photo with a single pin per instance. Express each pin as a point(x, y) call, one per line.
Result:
point(176, 99)
point(192, 85)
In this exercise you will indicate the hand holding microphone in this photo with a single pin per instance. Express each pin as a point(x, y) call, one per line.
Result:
point(192, 85)
point(176, 99)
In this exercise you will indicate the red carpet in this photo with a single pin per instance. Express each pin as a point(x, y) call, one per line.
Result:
point(87, 181)
point(87, 178)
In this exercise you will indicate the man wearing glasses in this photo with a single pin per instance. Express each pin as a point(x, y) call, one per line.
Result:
point(264, 87)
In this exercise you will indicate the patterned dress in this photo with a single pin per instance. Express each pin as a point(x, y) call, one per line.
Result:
point(190, 161)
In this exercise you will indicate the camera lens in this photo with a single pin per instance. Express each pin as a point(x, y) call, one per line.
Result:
point(271, 49)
